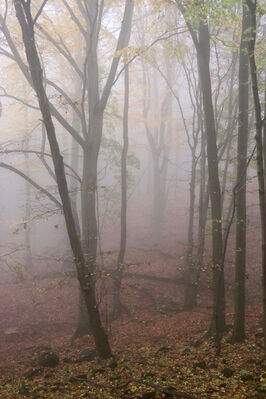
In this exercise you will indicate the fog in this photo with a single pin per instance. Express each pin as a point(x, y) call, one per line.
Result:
point(129, 182)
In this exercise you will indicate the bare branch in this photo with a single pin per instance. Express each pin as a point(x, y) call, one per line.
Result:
point(192, 31)
point(32, 182)
point(39, 12)
point(122, 42)
point(75, 19)
point(143, 51)
point(64, 52)
point(45, 154)
point(5, 94)
point(15, 56)
point(5, 14)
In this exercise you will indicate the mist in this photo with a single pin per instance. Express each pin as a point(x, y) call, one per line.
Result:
point(133, 201)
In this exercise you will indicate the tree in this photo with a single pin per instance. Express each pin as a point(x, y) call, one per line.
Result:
point(87, 21)
point(240, 254)
point(260, 123)
point(158, 133)
point(26, 21)
point(201, 40)
point(118, 306)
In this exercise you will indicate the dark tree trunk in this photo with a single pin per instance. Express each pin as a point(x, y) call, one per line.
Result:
point(240, 254)
point(202, 44)
point(84, 325)
point(118, 307)
point(259, 141)
point(203, 53)
point(23, 12)
point(194, 261)
point(28, 260)
point(190, 294)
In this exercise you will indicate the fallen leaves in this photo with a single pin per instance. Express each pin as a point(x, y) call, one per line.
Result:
point(149, 372)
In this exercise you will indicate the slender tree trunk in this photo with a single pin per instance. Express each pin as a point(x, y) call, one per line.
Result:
point(259, 141)
point(28, 260)
point(190, 297)
point(204, 197)
point(240, 254)
point(203, 53)
point(230, 128)
point(156, 199)
point(201, 41)
point(84, 325)
point(23, 12)
point(118, 307)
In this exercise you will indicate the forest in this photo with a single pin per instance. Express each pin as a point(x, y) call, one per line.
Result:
point(133, 199)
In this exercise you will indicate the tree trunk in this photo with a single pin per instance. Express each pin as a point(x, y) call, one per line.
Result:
point(259, 141)
point(118, 307)
point(202, 45)
point(28, 260)
point(203, 54)
point(23, 12)
point(190, 296)
point(84, 325)
point(240, 254)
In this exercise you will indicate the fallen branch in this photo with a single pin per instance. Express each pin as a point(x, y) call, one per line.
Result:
point(157, 387)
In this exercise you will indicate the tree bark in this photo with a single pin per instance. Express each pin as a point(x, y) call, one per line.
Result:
point(203, 53)
point(260, 123)
point(118, 307)
point(201, 41)
point(240, 254)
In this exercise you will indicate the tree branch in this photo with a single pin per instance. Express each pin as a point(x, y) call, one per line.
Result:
point(46, 154)
point(39, 12)
point(32, 182)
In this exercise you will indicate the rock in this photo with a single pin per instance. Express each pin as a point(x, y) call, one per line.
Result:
point(48, 359)
point(259, 334)
point(67, 360)
point(97, 370)
point(227, 372)
point(200, 365)
point(164, 349)
point(112, 363)
point(48, 375)
point(34, 372)
point(87, 355)
point(196, 343)
point(246, 376)
point(78, 378)
point(149, 395)
point(185, 351)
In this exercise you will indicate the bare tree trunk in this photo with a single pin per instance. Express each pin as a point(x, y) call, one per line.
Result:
point(260, 123)
point(241, 217)
point(23, 12)
point(28, 260)
point(201, 41)
point(190, 296)
point(203, 53)
point(204, 197)
point(84, 325)
point(118, 306)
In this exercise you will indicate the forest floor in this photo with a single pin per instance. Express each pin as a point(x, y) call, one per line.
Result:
point(159, 350)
